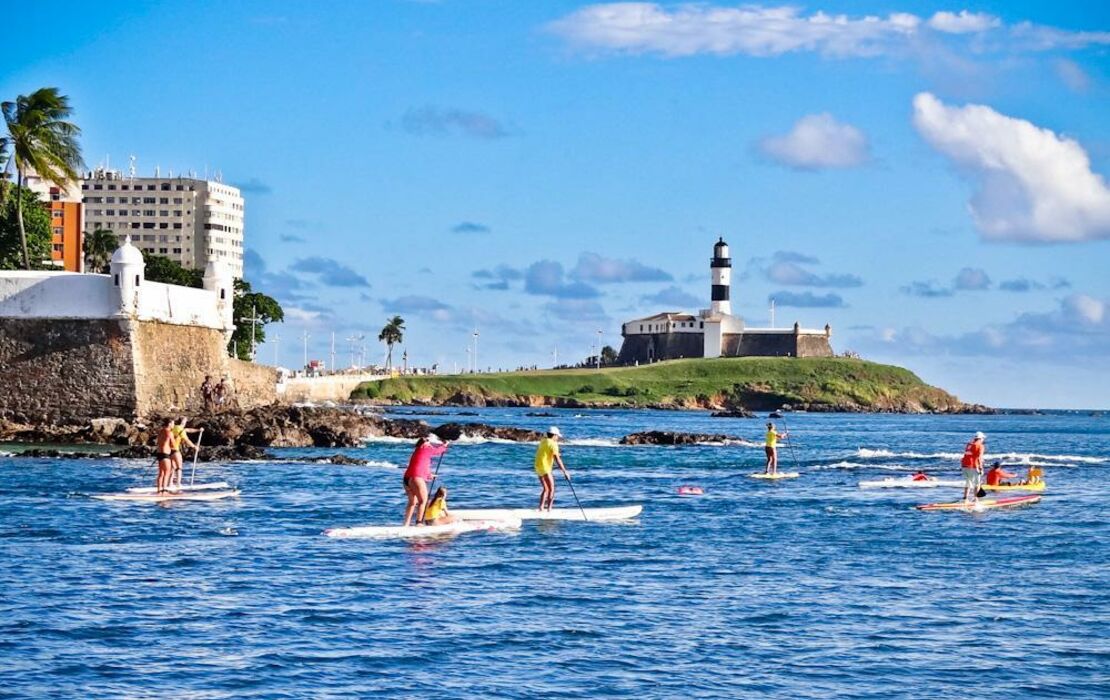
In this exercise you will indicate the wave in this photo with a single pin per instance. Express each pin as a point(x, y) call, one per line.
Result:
point(1030, 458)
point(859, 465)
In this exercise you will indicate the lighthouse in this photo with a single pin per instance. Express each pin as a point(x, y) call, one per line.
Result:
point(720, 267)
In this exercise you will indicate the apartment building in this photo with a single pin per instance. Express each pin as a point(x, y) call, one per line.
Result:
point(188, 220)
point(67, 224)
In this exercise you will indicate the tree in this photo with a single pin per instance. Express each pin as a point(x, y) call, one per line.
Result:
point(37, 231)
point(246, 303)
point(608, 355)
point(99, 246)
point(392, 334)
point(42, 141)
point(159, 268)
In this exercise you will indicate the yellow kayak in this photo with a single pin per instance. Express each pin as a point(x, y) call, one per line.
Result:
point(1039, 486)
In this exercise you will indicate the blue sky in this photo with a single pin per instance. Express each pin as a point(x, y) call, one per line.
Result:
point(929, 178)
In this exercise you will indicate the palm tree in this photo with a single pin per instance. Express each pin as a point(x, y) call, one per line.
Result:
point(392, 333)
point(42, 141)
point(99, 246)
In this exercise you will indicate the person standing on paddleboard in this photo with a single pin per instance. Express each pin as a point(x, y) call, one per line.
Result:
point(771, 447)
point(547, 456)
point(180, 436)
point(164, 455)
point(417, 475)
point(972, 466)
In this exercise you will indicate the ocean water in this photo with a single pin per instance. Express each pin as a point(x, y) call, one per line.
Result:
point(810, 588)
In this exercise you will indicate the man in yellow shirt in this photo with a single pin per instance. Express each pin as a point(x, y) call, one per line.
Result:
point(547, 456)
point(771, 447)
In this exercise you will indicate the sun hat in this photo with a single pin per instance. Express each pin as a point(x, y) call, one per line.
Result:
point(554, 431)
point(980, 436)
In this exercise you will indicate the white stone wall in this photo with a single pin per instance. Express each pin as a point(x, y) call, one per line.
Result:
point(39, 295)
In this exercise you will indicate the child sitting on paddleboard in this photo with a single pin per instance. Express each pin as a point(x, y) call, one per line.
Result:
point(436, 513)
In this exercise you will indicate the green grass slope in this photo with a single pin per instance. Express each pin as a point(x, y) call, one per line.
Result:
point(758, 383)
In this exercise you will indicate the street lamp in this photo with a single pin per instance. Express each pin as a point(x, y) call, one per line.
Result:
point(599, 348)
point(475, 350)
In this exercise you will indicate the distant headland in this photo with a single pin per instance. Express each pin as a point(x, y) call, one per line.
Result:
point(824, 384)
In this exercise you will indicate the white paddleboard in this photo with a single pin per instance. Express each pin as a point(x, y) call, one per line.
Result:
point(773, 477)
point(592, 514)
point(413, 531)
point(208, 495)
point(213, 486)
point(908, 483)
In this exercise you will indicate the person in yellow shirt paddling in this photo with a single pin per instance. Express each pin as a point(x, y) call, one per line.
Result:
point(547, 456)
point(771, 447)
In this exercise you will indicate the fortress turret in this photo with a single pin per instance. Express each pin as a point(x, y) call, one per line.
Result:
point(720, 266)
point(218, 278)
point(128, 271)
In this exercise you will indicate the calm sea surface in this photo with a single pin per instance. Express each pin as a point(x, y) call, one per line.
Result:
point(809, 588)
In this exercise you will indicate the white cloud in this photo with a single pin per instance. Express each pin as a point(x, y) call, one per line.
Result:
point(1072, 75)
point(1034, 186)
point(972, 279)
point(755, 30)
point(818, 141)
point(963, 23)
point(1077, 329)
point(685, 30)
point(1036, 37)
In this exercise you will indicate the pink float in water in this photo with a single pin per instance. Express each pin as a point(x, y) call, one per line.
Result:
point(690, 491)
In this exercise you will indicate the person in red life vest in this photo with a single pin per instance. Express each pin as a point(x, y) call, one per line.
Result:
point(416, 476)
point(997, 474)
point(919, 476)
point(972, 466)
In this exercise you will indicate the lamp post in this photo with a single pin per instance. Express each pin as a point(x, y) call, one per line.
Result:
point(599, 348)
point(304, 339)
point(476, 350)
point(253, 319)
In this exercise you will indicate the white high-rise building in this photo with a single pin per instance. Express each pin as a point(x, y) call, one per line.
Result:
point(188, 220)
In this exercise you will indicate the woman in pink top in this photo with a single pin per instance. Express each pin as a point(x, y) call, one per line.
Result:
point(417, 476)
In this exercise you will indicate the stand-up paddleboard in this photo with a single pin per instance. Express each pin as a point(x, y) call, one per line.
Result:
point(982, 504)
point(1039, 486)
point(204, 495)
point(775, 477)
point(592, 514)
point(906, 482)
point(413, 531)
point(213, 486)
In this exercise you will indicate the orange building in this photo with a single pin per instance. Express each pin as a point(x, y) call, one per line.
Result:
point(67, 249)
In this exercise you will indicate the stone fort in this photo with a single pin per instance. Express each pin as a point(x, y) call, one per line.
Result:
point(74, 347)
point(715, 332)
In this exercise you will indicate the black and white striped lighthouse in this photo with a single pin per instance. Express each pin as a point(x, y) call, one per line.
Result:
point(720, 266)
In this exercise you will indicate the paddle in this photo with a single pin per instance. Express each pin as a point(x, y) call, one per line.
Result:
point(571, 484)
point(790, 445)
point(196, 453)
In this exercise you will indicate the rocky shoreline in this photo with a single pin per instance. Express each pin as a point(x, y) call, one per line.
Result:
point(246, 434)
point(722, 406)
point(242, 435)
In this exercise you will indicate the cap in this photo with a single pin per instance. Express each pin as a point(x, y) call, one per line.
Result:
point(554, 431)
point(980, 436)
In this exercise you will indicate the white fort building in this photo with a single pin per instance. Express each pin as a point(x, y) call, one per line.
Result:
point(716, 332)
point(190, 221)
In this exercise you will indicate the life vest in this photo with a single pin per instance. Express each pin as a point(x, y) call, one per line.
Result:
point(972, 453)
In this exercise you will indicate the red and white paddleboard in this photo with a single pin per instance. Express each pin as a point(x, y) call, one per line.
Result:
point(982, 504)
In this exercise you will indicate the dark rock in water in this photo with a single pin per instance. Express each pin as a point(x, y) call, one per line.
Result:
point(453, 431)
point(737, 413)
point(542, 415)
point(663, 437)
point(337, 459)
point(466, 413)
point(774, 414)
